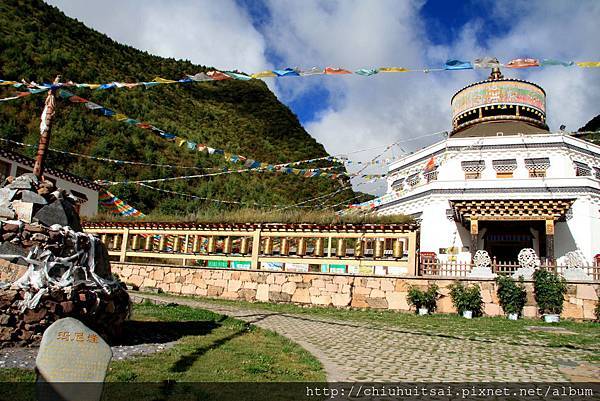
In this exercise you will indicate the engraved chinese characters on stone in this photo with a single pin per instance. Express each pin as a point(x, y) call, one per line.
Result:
point(70, 352)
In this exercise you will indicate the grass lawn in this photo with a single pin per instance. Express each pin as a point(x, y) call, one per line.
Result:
point(578, 335)
point(211, 348)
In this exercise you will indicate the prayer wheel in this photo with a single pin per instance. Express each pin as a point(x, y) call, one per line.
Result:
point(340, 248)
point(177, 244)
point(162, 243)
point(196, 244)
point(211, 245)
point(227, 245)
point(301, 249)
point(148, 242)
point(285, 246)
point(116, 241)
point(135, 242)
point(398, 248)
point(268, 250)
point(379, 245)
point(319, 242)
point(104, 239)
point(244, 245)
point(359, 248)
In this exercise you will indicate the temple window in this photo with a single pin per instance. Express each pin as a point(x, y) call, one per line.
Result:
point(597, 172)
point(505, 167)
point(4, 170)
point(537, 167)
point(413, 179)
point(582, 169)
point(431, 176)
point(398, 184)
point(473, 168)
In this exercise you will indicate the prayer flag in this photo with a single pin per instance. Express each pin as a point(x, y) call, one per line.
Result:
point(336, 71)
point(523, 63)
point(392, 69)
point(486, 62)
point(366, 72)
point(458, 65)
point(588, 64)
point(288, 72)
point(556, 62)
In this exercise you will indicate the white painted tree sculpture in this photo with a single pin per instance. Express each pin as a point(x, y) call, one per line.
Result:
point(529, 262)
point(482, 265)
point(575, 260)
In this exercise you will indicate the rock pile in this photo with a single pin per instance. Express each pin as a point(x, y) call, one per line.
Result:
point(49, 268)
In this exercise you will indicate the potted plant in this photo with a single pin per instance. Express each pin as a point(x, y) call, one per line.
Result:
point(549, 291)
point(512, 296)
point(466, 299)
point(424, 301)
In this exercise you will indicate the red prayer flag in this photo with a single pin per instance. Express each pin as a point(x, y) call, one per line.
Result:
point(430, 166)
point(523, 63)
point(333, 71)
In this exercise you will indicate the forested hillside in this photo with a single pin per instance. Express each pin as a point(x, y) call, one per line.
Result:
point(37, 42)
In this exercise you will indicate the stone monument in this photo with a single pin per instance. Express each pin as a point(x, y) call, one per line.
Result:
point(71, 363)
point(49, 268)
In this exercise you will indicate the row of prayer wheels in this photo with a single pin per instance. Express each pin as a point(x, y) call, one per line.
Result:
point(177, 242)
point(340, 249)
point(267, 248)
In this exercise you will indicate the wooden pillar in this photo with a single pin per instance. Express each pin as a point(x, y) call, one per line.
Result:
point(45, 124)
point(474, 235)
point(255, 249)
point(550, 240)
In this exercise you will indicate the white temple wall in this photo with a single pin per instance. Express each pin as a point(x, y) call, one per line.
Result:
point(580, 232)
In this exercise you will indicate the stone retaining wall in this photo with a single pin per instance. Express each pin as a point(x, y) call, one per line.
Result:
point(325, 289)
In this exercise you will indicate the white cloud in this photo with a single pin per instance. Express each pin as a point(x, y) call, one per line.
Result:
point(387, 107)
point(206, 32)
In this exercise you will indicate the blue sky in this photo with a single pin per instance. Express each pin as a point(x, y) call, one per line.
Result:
point(348, 114)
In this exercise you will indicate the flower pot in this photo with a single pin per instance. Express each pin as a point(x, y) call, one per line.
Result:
point(513, 316)
point(423, 311)
point(551, 318)
point(468, 314)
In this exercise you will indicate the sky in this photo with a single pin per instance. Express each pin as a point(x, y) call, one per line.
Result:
point(349, 114)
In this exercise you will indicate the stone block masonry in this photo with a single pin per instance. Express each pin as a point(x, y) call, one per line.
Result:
point(335, 290)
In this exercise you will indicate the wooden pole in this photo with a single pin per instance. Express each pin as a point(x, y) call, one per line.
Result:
point(45, 124)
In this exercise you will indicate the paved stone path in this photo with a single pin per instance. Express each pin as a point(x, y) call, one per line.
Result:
point(355, 351)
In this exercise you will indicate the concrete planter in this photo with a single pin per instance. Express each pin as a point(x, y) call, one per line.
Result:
point(468, 314)
point(423, 311)
point(552, 318)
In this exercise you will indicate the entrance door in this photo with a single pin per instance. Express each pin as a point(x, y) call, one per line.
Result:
point(504, 240)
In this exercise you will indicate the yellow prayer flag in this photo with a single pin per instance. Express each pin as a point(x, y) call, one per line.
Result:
point(392, 69)
point(588, 64)
point(263, 74)
point(120, 117)
point(93, 86)
point(180, 141)
point(163, 81)
point(8, 83)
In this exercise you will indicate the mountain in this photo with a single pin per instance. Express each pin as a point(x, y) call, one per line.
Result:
point(593, 130)
point(38, 41)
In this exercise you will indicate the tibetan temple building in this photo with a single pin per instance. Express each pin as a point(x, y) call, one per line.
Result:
point(501, 181)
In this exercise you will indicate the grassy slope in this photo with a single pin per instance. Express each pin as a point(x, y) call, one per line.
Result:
point(37, 42)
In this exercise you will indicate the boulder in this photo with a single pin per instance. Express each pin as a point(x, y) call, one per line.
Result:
point(59, 212)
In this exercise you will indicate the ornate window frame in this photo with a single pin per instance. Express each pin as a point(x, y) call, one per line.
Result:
point(537, 166)
point(472, 168)
point(504, 167)
point(582, 169)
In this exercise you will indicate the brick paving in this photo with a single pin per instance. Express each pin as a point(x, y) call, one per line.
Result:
point(356, 351)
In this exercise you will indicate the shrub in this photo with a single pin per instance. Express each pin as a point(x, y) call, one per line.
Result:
point(512, 296)
point(466, 298)
point(549, 290)
point(423, 299)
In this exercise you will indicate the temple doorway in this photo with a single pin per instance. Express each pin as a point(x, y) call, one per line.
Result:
point(505, 239)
